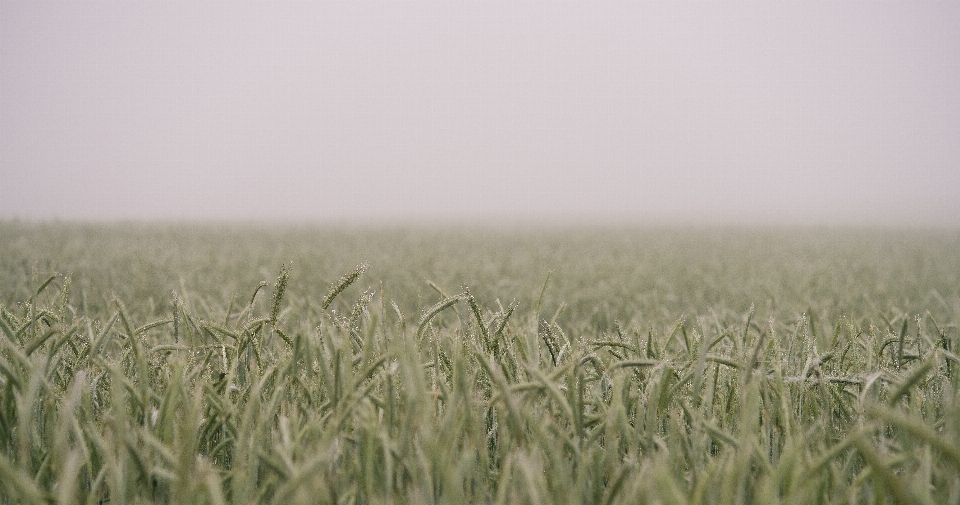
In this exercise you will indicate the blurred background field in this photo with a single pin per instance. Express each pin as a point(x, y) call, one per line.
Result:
point(645, 277)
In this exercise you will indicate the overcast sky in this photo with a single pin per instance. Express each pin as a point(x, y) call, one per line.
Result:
point(701, 111)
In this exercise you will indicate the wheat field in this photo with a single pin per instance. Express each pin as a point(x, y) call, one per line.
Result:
point(305, 364)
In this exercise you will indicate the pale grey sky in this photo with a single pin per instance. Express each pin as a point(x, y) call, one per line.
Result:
point(699, 111)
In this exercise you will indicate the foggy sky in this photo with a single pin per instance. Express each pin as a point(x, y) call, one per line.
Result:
point(704, 111)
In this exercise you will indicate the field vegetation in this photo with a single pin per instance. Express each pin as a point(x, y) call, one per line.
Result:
point(249, 364)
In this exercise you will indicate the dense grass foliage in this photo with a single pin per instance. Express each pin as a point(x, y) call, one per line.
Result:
point(174, 364)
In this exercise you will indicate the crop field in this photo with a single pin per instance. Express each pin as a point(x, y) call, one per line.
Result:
point(297, 364)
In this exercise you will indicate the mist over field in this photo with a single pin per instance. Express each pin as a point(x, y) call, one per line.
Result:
point(742, 112)
point(530, 252)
